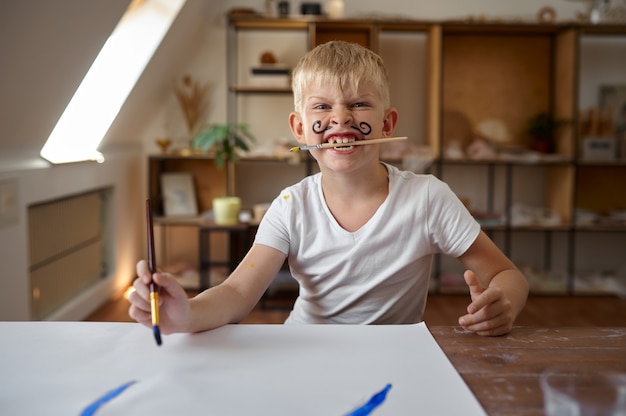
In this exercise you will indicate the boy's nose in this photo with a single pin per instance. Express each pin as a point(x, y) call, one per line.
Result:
point(341, 116)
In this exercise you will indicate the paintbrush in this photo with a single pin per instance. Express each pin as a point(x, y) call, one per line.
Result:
point(154, 288)
point(355, 143)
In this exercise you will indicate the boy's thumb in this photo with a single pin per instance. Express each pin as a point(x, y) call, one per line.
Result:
point(470, 278)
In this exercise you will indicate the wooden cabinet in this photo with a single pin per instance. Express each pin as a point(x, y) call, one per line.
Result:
point(447, 78)
point(508, 73)
point(209, 181)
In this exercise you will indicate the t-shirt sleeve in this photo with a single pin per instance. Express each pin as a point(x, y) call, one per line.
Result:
point(451, 226)
point(273, 229)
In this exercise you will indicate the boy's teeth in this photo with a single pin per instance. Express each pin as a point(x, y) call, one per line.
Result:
point(340, 140)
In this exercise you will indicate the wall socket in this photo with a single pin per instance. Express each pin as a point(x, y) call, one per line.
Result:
point(8, 202)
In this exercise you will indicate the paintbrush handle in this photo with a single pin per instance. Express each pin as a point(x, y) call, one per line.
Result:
point(154, 288)
point(150, 238)
point(356, 143)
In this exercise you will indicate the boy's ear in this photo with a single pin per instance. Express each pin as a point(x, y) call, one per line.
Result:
point(390, 122)
point(296, 126)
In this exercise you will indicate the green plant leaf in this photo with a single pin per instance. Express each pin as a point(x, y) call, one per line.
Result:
point(543, 126)
point(225, 139)
point(219, 159)
point(240, 143)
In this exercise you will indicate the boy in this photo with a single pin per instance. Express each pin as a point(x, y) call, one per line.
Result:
point(360, 235)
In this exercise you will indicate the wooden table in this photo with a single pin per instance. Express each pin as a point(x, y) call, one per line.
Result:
point(61, 367)
point(503, 372)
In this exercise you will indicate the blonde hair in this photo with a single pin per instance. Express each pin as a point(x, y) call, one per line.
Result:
point(340, 63)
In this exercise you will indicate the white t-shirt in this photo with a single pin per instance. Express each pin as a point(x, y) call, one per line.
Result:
point(378, 274)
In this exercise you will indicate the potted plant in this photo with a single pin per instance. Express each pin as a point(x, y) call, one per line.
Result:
point(541, 129)
point(225, 140)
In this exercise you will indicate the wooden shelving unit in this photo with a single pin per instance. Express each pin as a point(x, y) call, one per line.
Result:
point(473, 71)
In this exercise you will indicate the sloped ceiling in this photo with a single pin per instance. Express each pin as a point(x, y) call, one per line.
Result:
point(155, 86)
point(46, 47)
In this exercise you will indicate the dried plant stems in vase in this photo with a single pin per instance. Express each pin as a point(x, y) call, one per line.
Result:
point(191, 97)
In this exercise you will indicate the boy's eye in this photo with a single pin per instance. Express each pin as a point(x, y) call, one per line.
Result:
point(359, 105)
point(321, 107)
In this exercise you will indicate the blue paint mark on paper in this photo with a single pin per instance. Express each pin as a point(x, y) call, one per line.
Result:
point(375, 401)
point(93, 407)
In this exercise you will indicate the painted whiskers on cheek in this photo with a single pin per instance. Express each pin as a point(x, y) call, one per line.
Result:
point(317, 127)
point(364, 128)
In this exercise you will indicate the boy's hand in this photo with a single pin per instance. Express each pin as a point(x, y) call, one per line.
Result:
point(174, 311)
point(490, 312)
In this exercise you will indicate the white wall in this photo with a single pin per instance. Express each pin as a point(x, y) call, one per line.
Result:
point(46, 48)
point(124, 173)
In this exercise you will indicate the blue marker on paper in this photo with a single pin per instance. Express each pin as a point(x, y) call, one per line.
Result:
point(375, 401)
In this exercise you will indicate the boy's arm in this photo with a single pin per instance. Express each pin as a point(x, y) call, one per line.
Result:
point(226, 303)
point(497, 288)
point(232, 301)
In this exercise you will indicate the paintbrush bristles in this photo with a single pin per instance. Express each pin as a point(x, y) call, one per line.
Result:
point(356, 143)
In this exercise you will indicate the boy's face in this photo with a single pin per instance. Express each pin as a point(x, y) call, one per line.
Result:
point(329, 115)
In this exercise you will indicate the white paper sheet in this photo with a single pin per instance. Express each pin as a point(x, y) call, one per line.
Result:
point(60, 368)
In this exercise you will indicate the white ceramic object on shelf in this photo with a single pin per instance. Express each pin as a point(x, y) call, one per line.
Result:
point(334, 9)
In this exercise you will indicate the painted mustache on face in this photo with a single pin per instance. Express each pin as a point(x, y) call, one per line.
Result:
point(363, 127)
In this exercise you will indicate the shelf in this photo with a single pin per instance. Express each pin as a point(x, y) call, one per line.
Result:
point(201, 222)
point(292, 159)
point(473, 71)
point(253, 89)
point(257, 22)
point(604, 29)
point(526, 228)
point(541, 228)
point(177, 221)
point(174, 156)
point(617, 228)
point(302, 22)
point(544, 161)
point(209, 157)
point(602, 163)
point(500, 28)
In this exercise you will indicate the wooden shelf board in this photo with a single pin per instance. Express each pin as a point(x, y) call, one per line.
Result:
point(254, 89)
point(508, 161)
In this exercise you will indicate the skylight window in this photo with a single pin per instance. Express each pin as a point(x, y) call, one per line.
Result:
point(108, 82)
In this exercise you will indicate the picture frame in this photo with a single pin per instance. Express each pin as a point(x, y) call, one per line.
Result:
point(179, 195)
